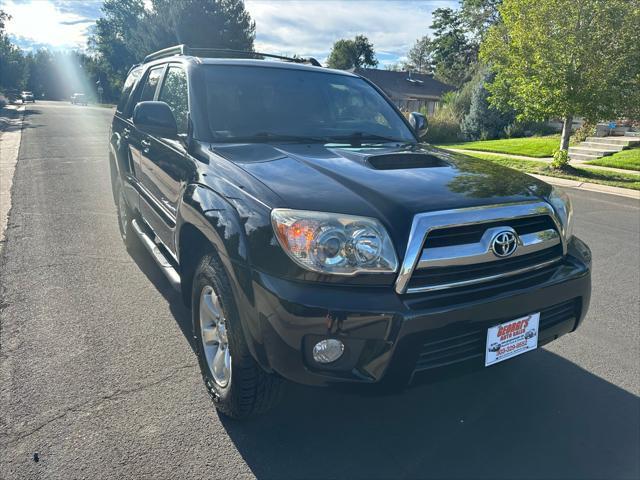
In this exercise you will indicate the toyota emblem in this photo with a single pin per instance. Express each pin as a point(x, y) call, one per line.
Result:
point(504, 243)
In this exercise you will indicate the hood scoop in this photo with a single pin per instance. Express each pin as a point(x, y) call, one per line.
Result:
point(404, 161)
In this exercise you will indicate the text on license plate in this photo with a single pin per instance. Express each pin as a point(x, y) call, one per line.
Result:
point(512, 338)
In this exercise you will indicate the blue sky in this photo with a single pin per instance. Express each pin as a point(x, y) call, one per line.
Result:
point(305, 27)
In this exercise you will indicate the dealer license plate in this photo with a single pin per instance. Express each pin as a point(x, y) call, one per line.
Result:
point(512, 338)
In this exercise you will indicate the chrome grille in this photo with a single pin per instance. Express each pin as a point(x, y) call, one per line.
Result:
point(453, 248)
point(438, 278)
point(460, 235)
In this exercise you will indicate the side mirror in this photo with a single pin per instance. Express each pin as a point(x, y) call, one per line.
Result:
point(155, 118)
point(419, 124)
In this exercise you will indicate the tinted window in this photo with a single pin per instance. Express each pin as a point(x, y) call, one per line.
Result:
point(247, 101)
point(174, 93)
point(150, 84)
point(128, 86)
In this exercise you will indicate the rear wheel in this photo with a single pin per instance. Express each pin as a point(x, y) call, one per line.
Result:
point(236, 384)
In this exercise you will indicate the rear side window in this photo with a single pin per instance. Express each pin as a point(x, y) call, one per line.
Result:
point(150, 84)
point(129, 83)
point(174, 93)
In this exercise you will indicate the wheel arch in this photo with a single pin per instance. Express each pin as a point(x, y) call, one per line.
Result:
point(206, 222)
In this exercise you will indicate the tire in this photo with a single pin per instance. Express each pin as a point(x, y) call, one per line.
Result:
point(249, 389)
point(125, 215)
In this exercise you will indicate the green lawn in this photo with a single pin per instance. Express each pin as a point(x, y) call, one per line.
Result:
point(614, 179)
point(530, 146)
point(627, 159)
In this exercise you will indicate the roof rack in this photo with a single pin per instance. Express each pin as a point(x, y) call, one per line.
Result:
point(215, 52)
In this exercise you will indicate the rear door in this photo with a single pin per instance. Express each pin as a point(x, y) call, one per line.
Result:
point(137, 140)
point(165, 163)
point(121, 130)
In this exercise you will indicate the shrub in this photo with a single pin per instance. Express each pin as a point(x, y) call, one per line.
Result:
point(444, 126)
point(588, 129)
point(560, 159)
point(515, 130)
point(528, 129)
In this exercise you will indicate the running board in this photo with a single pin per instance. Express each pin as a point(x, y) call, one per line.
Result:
point(158, 256)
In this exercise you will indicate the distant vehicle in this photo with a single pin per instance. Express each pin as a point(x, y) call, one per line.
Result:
point(494, 347)
point(79, 99)
point(27, 97)
point(530, 334)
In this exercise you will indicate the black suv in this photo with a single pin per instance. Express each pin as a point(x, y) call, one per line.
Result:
point(316, 239)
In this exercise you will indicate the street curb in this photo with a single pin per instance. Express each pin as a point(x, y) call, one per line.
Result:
point(8, 161)
point(590, 187)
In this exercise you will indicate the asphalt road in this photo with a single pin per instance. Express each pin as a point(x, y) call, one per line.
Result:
point(99, 379)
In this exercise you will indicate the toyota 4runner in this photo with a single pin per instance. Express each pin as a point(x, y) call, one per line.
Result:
point(317, 239)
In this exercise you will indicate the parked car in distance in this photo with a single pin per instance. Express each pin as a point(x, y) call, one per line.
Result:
point(79, 99)
point(27, 96)
point(317, 239)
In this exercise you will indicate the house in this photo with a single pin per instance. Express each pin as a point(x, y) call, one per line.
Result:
point(408, 90)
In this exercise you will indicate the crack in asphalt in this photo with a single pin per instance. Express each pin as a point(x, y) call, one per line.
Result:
point(92, 404)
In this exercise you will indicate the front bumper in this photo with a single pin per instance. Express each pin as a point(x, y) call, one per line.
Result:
point(390, 338)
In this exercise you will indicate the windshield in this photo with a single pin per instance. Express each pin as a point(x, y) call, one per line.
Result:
point(258, 104)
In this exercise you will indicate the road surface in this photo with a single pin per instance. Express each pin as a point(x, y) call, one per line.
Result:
point(98, 377)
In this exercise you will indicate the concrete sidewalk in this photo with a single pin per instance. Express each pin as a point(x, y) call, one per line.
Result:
point(11, 118)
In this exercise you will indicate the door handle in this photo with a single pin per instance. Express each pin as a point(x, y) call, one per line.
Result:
point(145, 144)
point(126, 132)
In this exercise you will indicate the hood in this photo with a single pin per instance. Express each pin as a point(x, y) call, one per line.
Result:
point(391, 184)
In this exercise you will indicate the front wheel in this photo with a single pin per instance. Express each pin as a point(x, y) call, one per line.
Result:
point(236, 384)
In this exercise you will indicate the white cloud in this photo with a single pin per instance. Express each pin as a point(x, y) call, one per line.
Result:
point(310, 28)
point(41, 22)
point(305, 27)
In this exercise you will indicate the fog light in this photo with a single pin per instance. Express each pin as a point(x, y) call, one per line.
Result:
point(327, 351)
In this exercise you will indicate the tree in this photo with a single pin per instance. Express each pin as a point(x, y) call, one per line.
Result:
point(453, 52)
point(562, 58)
point(4, 17)
point(355, 53)
point(11, 58)
point(484, 122)
point(479, 15)
point(128, 31)
point(204, 23)
point(419, 57)
point(117, 40)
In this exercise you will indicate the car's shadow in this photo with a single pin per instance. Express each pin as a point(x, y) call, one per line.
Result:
point(180, 312)
point(537, 416)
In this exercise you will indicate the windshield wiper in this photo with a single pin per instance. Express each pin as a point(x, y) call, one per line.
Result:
point(274, 137)
point(358, 138)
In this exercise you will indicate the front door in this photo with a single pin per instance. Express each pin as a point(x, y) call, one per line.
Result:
point(166, 165)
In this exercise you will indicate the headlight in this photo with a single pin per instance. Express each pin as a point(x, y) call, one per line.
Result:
point(334, 243)
point(561, 203)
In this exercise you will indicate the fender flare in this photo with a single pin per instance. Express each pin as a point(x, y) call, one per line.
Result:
point(218, 222)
